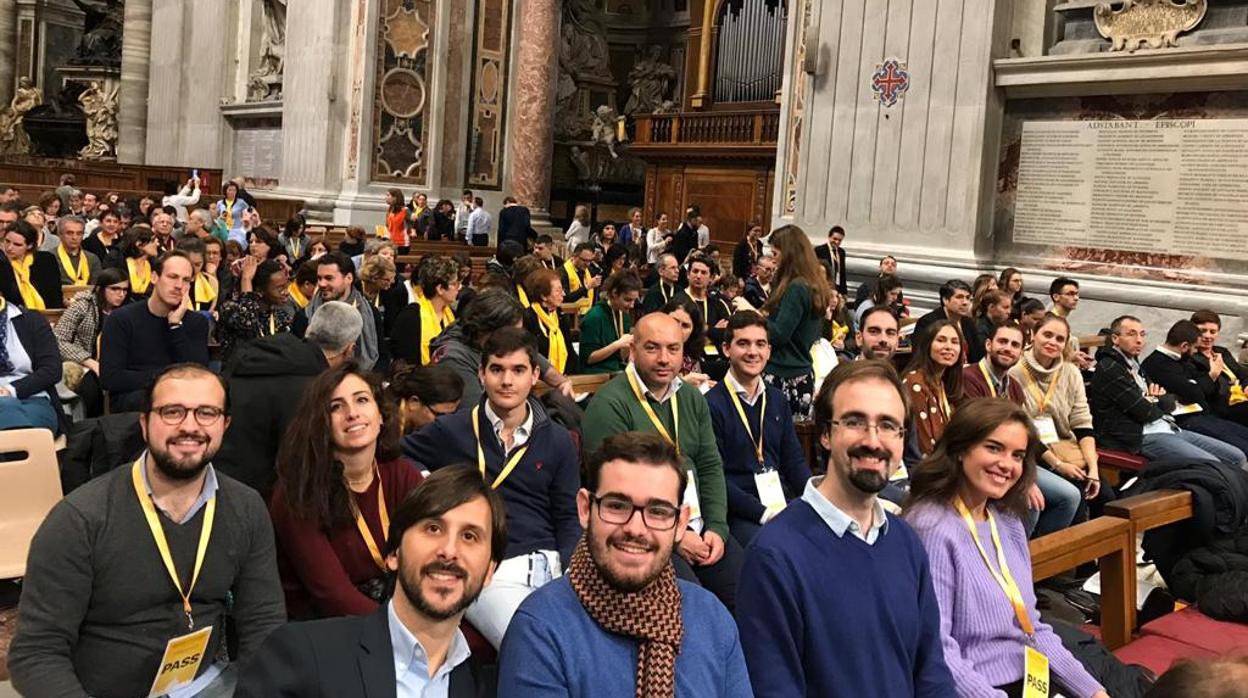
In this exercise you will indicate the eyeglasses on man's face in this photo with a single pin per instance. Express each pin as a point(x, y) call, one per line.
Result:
point(617, 510)
point(173, 415)
point(886, 428)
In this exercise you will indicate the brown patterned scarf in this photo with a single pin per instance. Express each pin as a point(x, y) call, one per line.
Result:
point(651, 615)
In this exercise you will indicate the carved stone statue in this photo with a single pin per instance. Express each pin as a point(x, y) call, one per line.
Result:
point(604, 128)
point(13, 137)
point(583, 47)
point(649, 79)
point(102, 31)
point(265, 82)
point(99, 103)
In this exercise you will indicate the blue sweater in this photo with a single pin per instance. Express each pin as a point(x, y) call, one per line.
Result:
point(540, 493)
point(827, 616)
point(553, 648)
point(781, 449)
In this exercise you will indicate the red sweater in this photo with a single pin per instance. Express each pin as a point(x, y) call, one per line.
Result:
point(320, 570)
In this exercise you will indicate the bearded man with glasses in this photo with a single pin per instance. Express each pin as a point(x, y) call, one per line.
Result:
point(131, 576)
point(619, 624)
point(835, 596)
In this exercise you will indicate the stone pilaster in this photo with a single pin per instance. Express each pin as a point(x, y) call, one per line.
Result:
point(532, 137)
point(165, 104)
point(309, 119)
point(204, 70)
point(8, 54)
point(136, 50)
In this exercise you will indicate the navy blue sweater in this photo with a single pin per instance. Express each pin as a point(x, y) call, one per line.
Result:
point(781, 449)
point(826, 616)
point(540, 493)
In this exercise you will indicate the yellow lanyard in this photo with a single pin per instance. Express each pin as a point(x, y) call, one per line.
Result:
point(511, 463)
point(1003, 577)
point(762, 415)
point(297, 296)
point(654, 418)
point(617, 319)
point(295, 248)
point(1033, 385)
point(82, 275)
point(272, 324)
point(158, 533)
point(983, 368)
point(382, 513)
point(663, 291)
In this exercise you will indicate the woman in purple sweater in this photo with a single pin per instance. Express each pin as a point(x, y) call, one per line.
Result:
point(968, 500)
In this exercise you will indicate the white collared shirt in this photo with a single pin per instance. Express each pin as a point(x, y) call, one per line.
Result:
point(520, 436)
point(735, 385)
point(645, 390)
point(838, 520)
point(411, 661)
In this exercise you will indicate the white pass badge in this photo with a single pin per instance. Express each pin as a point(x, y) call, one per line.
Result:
point(1047, 430)
point(1180, 409)
point(691, 498)
point(900, 473)
point(1036, 674)
point(770, 491)
point(180, 664)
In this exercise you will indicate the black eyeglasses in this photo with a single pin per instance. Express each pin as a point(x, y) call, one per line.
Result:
point(619, 511)
point(173, 415)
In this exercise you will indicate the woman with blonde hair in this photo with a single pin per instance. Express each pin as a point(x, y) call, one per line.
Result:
point(795, 310)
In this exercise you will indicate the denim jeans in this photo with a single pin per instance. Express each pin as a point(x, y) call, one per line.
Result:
point(1190, 447)
point(1061, 501)
point(1223, 430)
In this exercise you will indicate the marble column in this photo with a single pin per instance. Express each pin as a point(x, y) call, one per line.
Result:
point(136, 49)
point(8, 52)
point(532, 138)
point(311, 124)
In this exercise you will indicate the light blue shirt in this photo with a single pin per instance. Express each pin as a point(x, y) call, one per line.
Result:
point(839, 521)
point(208, 491)
point(676, 383)
point(411, 662)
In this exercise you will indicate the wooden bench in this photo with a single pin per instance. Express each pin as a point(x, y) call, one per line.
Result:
point(68, 292)
point(52, 315)
point(585, 383)
point(1152, 509)
point(1108, 540)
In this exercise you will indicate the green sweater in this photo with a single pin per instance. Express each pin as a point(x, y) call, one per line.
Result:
point(597, 331)
point(792, 329)
point(614, 409)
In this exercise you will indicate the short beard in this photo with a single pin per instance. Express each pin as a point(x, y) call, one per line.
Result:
point(871, 352)
point(410, 584)
point(172, 469)
point(868, 481)
point(598, 553)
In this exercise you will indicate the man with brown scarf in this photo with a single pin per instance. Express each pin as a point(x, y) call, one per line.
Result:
point(620, 599)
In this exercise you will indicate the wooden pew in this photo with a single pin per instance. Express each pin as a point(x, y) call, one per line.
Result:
point(52, 315)
point(1152, 509)
point(68, 292)
point(587, 383)
point(1110, 541)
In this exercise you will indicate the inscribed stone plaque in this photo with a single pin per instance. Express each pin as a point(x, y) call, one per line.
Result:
point(258, 152)
point(1159, 186)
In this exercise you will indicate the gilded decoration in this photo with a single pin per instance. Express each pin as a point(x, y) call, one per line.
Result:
point(401, 114)
point(489, 61)
point(1155, 23)
point(797, 105)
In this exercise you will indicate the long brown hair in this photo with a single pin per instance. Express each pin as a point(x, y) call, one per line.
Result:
point(938, 478)
point(307, 472)
point(921, 359)
point(798, 262)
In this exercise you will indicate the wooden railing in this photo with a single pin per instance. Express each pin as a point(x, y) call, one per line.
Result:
point(726, 128)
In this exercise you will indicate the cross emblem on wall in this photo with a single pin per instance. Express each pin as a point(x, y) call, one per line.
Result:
point(890, 81)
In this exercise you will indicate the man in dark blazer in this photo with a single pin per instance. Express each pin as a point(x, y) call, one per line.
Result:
point(515, 223)
point(833, 257)
point(445, 541)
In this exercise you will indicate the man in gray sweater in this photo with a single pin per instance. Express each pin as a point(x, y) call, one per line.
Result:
point(131, 576)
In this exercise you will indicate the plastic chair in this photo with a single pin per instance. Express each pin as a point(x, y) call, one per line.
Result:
point(29, 487)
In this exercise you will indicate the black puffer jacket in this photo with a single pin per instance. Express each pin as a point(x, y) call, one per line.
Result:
point(1205, 558)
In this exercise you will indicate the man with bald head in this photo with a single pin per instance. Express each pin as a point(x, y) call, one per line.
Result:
point(649, 396)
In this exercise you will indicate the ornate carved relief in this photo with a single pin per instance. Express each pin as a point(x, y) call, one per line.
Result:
point(797, 106)
point(265, 82)
point(401, 121)
point(1155, 23)
point(489, 75)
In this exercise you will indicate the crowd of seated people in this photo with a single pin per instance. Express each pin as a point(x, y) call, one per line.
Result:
point(382, 474)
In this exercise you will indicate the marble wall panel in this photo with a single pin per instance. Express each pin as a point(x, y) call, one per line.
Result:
point(401, 108)
point(486, 137)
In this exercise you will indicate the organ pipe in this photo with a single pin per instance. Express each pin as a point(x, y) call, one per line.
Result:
point(750, 56)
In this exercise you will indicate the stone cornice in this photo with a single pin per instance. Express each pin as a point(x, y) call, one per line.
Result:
point(1185, 69)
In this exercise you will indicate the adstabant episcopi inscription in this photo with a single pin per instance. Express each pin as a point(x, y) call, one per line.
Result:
point(1164, 186)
